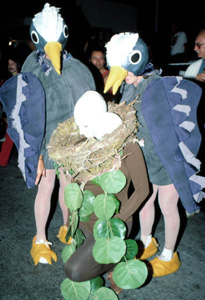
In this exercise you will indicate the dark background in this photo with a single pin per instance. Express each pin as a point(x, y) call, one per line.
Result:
point(153, 20)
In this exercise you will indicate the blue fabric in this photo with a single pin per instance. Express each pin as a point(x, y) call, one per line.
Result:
point(158, 101)
point(24, 95)
point(45, 63)
point(202, 67)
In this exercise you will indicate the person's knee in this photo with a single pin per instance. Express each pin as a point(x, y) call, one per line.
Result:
point(73, 271)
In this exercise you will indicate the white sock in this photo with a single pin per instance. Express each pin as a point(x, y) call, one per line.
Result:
point(166, 255)
point(146, 240)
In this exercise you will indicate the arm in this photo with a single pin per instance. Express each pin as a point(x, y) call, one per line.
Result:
point(200, 77)
point(41, 171)
point(138, 174)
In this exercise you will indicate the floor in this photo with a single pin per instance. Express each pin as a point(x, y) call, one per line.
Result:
point(21, 280)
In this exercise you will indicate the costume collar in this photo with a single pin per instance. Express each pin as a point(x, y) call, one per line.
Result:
point(45, 63)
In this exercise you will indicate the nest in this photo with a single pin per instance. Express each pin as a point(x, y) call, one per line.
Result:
point(86, 158)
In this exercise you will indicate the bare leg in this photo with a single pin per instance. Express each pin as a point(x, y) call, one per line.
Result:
point(42, 203)
point(147, 216)
point(168, 262)
point(168, 200)
point(64, 181)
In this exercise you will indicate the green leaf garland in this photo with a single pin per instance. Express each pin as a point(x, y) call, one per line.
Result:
point(104, 207)
point(73, 196)
point(131, 274)
point(109, 228)
point(109, 233)
point(112, 182)
point(109, 250)
point(72, 290)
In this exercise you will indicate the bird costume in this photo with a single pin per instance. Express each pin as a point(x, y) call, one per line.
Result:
point(60, 80)
point(45, 91)
point(172, 161)
point(63, 83)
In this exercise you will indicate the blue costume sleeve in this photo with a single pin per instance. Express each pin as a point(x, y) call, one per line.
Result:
point(24, 103)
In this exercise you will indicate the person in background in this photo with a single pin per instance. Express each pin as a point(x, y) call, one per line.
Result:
point(196, 73)
point(197, 69)
point(7, 145)
point(178, 44)
point(96, 57)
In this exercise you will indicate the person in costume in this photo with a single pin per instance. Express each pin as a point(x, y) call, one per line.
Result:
point(7, 145)
point(94, 121)
point(166, 109)
point(63, 84)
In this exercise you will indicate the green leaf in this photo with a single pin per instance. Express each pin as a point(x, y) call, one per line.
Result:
point(105, 294)
point(104, 207)
point(95, 233)
point(88, 196)
point(72, 290)
point(131, 274)
point(74, 222)
point(109, 250)
point(117, 202)
point(84, 219)
point(67, 252)
point(109, 228)
point(87, 206)
point(132, 249)
point(96, 283)
point(73, 196)
point(96, 180)
point(79, 238)
point(112, 182)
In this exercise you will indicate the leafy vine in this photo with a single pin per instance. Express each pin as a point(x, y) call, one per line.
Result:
point(110, 243)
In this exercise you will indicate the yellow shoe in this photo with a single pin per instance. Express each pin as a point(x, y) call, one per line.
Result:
point(162, 268)
point(42, 253)
point(150, 250)
point(62, 235)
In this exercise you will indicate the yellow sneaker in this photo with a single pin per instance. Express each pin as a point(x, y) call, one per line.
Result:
point(150, 250)
point(41, 252)
point(162, 268)
point(62, 235)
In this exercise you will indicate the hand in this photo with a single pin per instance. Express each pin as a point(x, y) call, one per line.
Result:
point(41, 170)
point(200, 77)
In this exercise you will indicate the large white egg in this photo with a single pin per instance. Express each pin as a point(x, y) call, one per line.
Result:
point(105, 124)
point(90, 105)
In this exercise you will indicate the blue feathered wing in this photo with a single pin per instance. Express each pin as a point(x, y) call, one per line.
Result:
point(23, 99)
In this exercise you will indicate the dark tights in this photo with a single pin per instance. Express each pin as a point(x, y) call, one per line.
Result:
point(81, 266)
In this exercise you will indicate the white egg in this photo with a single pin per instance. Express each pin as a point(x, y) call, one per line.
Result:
point(105, 124)
point(90, 105)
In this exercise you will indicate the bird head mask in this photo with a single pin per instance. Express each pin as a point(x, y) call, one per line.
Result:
point(49, 34)
point(126, 52)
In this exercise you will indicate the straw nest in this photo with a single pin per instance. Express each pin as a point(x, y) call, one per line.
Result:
point(86, 158)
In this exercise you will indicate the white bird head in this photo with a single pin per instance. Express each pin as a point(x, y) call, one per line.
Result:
point(126, 52)
point(49, 33)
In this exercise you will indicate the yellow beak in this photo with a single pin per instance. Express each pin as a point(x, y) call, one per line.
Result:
point(116, 76)
point(53, 51)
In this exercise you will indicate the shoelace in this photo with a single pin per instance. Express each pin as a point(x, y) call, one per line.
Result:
point(44, 242)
